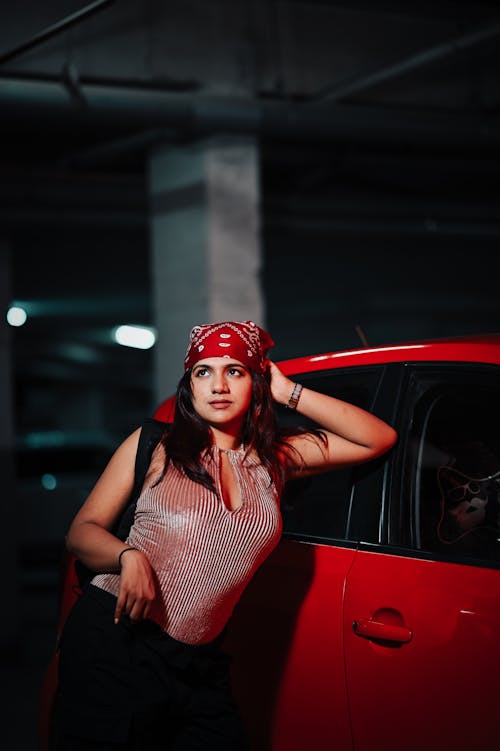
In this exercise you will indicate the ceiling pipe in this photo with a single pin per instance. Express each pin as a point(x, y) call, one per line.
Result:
point(114, 110)
point(438, 52)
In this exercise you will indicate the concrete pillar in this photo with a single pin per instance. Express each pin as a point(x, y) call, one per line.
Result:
point(8, 508)
point(205, 238)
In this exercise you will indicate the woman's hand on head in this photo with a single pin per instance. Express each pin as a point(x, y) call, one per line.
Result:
point(281, 386)
point(137, 586)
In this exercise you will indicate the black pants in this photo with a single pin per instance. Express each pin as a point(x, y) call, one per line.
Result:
point(131, 686)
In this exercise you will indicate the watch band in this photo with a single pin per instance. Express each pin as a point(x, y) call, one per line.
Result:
point(295, 396)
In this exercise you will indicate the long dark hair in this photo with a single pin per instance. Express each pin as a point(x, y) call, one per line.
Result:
point(189, 435)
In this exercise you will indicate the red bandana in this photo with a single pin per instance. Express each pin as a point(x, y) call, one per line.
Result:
point(240, 340)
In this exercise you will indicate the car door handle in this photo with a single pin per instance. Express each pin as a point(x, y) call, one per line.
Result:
point(382, 631)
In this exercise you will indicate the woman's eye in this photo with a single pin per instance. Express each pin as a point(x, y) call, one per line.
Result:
point(235, 371)
point(201, 372)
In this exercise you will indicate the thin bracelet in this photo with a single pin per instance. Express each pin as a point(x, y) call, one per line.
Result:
point(295, 396)
point(120, 556)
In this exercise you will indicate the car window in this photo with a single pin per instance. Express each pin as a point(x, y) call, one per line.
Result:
point(318, 507)
point(456, 447)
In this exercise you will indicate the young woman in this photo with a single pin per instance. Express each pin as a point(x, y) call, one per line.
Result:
point(141, 665)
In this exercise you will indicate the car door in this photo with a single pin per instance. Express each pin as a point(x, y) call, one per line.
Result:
point(422, 607)
point(286, 633)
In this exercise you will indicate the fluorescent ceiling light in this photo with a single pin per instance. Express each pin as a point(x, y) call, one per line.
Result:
point(16, 315)
point(140, 337)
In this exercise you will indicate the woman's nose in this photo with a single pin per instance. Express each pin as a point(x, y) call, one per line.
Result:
point(219, 384)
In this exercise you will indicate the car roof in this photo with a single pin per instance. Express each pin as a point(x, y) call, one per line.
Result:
point(481, 348)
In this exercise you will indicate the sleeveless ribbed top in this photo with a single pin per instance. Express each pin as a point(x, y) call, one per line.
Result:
point(203, 554)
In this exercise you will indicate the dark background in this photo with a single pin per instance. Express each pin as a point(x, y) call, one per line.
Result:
point(378, 130)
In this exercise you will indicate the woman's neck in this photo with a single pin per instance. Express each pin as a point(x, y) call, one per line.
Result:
point(225, 440)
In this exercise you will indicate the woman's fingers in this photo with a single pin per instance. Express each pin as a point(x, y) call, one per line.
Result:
point(120, 605)
point(130, 606)
point(139, 610)
point(136, 607)
point(281, 386)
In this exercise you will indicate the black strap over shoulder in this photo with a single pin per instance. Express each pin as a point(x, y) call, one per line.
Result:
point(149, 437)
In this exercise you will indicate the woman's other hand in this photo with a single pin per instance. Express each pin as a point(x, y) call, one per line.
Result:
point(137, 586)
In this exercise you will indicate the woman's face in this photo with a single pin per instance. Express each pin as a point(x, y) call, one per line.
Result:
point(222, 391)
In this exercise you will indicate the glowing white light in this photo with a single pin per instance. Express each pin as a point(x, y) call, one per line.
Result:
point(16, 316)
point(139, 337)
point(49, 482)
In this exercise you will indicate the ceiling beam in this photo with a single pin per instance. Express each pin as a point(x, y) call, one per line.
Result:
point(54, 29)
point(337, 93)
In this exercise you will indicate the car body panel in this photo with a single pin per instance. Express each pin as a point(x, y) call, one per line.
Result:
point(287, 683)
point(439, 690)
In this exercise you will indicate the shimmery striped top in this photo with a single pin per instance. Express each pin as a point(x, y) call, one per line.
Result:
point(203, 554)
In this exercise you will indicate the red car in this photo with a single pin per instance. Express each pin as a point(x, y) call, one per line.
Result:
point(375, 624)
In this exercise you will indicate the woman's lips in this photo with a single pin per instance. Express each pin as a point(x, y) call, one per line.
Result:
point(221, 404)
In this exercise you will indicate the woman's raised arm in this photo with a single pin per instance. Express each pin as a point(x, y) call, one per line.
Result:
point(352, 434)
